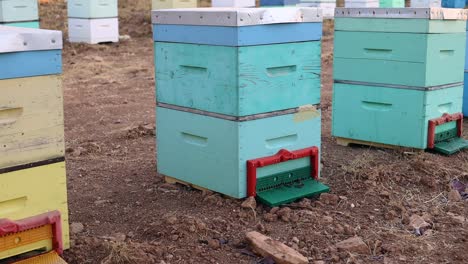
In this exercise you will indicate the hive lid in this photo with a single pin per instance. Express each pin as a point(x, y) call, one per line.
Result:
point(434, 13)
point(236, 17)
point(16, 39)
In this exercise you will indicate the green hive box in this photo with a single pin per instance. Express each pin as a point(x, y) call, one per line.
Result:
point(212, 152)
point(396, 69)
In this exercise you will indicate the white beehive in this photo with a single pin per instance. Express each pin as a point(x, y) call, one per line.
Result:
point(233, 3)
point(93, 31)
point(361, 3)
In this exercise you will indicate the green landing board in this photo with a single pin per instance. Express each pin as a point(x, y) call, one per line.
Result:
point(401, 25)
point(290, 193)
point(451, 146)
point(288, 186)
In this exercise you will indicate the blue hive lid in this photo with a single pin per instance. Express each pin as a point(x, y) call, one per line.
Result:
point(236, 17)
point(17, 39)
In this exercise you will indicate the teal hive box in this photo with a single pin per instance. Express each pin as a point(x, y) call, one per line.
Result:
point(18, 10)
point(409, 51)
point(92, 8)
point(410, 71)
point(212, 152)
point(390, 116)
point(392, 3)
point(30, 24)
point(231, 74)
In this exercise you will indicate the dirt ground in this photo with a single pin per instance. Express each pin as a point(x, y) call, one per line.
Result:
point(131, 216)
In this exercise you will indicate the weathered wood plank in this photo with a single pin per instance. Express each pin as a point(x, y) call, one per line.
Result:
point(279, 252)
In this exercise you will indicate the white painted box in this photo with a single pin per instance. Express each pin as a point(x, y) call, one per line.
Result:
point(233, 3)
point(426, 3)
point(92, 8)
point(93, 31)
point(327, 6)
point(361, 3)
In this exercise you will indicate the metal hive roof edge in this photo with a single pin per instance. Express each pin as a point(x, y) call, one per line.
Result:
point(422, 13)
point(16, 39)
point(236, 17)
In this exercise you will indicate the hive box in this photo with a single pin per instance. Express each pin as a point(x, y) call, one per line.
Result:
point(212, 152)
point(30, 24)
point(426, 3)
point(453, 3)
point(33, 191)
point(233, 3)
point(18, 10)
point(419, 52)
point(361, 3)
point(411, 58)
point(257, 65)
point(168, 4)
point(327, 6)
point(92, 8)
point(278, 2)
point(392, 3)
point(32, 168)
point(93, 31)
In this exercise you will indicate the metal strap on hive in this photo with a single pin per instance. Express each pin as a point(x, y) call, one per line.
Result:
point(16, 39)
point(236, 17)
point(423, 13)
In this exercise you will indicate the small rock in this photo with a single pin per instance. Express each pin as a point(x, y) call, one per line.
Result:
point(330, 199)
point(171, 220)
point(76, 228)
point(274, 210)
point(454, 196)
point(124, 37)
point(260, 227)
point(119, 237)
point(214, 244)
point(418, 224)
point(327, 219)
point(353, 245)
point(339, 229)
point(249, 203)
point(295, 240)
point(284, 214)
point(385, 194)
point(270, 217)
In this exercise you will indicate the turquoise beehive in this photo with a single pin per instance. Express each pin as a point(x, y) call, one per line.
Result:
point(407, 72)
point(234, 85)
point(19, 13)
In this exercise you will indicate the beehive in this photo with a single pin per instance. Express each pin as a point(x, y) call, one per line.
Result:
point(232, 85)
point(453, 3)
point(391, 3)
point(327, 6)
point(92, 21)
point(32, 168)
point(233, 3)
point(425, 3)
point(407, 72)
point(19, 13)
point(169, 4)
point(361, 3)
point(278, 2)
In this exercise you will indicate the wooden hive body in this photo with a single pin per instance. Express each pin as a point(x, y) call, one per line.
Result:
point(409, 72)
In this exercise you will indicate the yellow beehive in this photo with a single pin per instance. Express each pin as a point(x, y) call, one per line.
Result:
point(31, 120)
point(34, 191)
point(168, 4)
